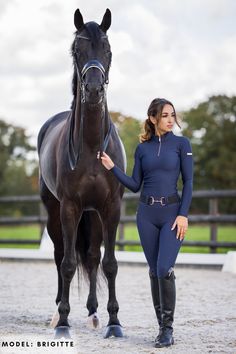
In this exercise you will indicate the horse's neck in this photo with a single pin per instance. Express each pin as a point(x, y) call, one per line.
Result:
point(95, 125)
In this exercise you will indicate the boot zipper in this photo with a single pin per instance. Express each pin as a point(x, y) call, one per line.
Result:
point(159, 149)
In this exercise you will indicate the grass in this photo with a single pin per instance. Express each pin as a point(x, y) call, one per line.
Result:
point(29, 232)
point(195, 233)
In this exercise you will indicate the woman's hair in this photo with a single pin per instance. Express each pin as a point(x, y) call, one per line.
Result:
point(154, 110)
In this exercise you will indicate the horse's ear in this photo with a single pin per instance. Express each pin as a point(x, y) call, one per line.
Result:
point(106, 21)
point(78, 20)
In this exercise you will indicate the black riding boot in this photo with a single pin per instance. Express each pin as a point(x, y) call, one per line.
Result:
point(156, 301)
point(167, 300)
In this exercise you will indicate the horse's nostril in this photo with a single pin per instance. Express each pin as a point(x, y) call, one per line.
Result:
point(93, 89)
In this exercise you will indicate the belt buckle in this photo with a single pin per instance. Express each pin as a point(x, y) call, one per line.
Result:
point(161, 201)
point(151, 200)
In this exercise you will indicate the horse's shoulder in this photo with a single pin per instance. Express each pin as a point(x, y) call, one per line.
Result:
point(51, 123)
point(56, 119)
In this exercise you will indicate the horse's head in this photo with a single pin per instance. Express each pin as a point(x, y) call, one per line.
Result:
point(92, 57)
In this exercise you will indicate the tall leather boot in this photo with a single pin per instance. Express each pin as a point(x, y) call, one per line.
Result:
point(167, 300)
point(156, 301)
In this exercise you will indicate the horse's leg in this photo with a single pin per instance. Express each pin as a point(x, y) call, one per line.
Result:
point(94, 230)
point(70, 215)
point(110, 220)
point(52, 206)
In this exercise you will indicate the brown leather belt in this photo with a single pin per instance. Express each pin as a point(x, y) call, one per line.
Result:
point(150, 200)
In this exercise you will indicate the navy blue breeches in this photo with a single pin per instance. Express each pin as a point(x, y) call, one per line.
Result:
point(159, 243)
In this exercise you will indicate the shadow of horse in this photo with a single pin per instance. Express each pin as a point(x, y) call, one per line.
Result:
point(82, 198)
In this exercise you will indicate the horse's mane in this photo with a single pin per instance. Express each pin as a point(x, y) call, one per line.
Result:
point(94, 34)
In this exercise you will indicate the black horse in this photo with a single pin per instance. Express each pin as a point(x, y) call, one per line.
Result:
point(82, 198)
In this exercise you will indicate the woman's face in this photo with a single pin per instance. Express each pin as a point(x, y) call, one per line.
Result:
point(166, 121)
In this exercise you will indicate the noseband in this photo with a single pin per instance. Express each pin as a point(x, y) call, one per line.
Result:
point(92, 64)
point(89, 65)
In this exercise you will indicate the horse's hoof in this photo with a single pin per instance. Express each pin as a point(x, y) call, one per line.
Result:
point(55, 319)
point(93, 321)
point(113, 330)
point(62, 332)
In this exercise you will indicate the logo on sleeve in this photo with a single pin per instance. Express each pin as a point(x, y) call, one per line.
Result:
point(189, 153)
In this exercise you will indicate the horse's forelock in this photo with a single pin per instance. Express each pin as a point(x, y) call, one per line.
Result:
point(93, 31)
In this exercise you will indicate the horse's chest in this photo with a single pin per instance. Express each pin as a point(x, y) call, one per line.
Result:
point(89, 188)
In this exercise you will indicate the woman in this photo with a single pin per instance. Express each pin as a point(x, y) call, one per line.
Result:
point(162, 216)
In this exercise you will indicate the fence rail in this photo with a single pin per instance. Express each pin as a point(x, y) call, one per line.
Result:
point(211, 219)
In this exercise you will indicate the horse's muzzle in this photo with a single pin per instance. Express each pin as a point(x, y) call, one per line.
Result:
point(94, 93)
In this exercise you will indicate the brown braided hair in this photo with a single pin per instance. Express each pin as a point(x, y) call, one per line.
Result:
point(155, 110)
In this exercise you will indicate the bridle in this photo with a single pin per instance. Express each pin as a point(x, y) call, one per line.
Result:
point(93, 63)
point(96, 64)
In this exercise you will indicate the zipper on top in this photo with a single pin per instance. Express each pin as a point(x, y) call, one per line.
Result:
point(159, 149)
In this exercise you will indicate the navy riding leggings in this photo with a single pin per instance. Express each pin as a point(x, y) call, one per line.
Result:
point(159, 243)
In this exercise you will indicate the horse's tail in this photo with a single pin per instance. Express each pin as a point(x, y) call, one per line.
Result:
point(88, 243)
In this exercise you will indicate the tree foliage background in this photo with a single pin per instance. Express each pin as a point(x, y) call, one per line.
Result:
point(210, 126)
point(18, 169)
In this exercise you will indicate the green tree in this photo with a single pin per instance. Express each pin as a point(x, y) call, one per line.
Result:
point(129, 128)
point(211, 127)
point(17, 168)
point(14, 148)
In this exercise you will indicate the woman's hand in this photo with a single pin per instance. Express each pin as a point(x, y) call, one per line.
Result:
point(182, 225)
point(106, 160)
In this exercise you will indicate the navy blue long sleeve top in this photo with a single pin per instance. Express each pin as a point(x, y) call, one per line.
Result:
point(157, 166)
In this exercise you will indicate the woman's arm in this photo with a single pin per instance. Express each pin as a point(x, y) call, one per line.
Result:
point(134, 182)
point(186, 167)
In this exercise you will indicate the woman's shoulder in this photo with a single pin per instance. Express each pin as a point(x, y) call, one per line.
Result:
point(183, 145)
point(183, 140)
point(141, 147)
point(146, 142)
point(143, 144)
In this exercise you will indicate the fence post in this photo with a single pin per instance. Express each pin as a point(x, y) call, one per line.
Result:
point(213, 210)
point(121, 228)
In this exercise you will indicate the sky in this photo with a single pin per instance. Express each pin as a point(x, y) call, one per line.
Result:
point(183, 50)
